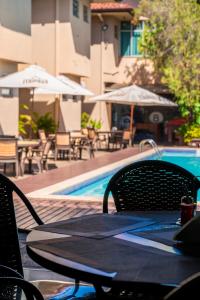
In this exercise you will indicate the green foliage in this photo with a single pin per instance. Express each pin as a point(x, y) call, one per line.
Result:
point(86, 121)
point(45, 122)
point(172, 40)
point(26, 123)
point(96, 124)
point(32, 121)
point(85, 117)
point(189, 132)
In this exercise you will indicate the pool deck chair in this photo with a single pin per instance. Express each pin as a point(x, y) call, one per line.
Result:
point(150, 185)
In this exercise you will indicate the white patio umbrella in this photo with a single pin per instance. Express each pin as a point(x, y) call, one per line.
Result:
point(133, 95)
point(80, 89)
point(34, 77)
point(76, 88)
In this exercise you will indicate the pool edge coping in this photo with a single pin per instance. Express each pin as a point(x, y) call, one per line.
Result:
point(47, 192)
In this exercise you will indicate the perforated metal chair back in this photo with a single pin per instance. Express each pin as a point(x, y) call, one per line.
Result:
point(10, 251)
point(150, 185)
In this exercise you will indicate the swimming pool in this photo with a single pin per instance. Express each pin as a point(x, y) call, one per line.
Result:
point(95, 187)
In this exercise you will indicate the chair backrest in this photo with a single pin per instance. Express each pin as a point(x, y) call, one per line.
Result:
point(188, 289)
point(46, 149)
point(63, 139)
point(150, 185)
point(42, 136)
point(91, 133)
point(8, 148)
point(84, 131)
point(12, 284)
point(10, 251)
point(126, 135)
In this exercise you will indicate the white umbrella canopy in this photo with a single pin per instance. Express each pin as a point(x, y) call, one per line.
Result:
point(134, 95)
point(32, 77)
point(80, 89)
point(71, 88)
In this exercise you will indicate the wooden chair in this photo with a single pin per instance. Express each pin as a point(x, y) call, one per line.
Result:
point(115, 139)
point(84, 131)
point(127, 137)
point(63, 144)
point(150, 185)
point(42, 137)
point(9, 153)
point(39, 156)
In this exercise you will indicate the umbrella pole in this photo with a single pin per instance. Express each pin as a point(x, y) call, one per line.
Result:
point(131, 123)
point(131, 118)
point(32, 110)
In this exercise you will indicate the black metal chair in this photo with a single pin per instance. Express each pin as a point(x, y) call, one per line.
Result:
point(10, 255)
point(188, 289)
point(10, 251)
point(150, 185)
point(12, 284)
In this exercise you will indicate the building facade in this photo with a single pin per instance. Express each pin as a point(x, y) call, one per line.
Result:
point(61, 44)
point(116, 59)
point(95, 43)
point(55, 34)
point(16, 48)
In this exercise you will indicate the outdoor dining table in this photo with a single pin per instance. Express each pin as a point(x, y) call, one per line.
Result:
point(103, 249)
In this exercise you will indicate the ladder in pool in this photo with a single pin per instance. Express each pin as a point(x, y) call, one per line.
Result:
point(152, 143)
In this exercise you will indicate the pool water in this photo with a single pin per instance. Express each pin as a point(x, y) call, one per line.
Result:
point(189, 159)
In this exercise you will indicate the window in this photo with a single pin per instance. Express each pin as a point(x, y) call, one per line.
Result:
point(85, 13)
point(76, 8)
point(130, 35)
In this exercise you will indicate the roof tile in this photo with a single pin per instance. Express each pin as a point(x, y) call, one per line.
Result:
point(96, 6)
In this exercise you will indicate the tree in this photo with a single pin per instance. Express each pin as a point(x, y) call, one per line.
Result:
point(172, 40)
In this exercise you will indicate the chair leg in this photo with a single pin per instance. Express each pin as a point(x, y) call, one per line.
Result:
point(16, 169)
point(45, 165)
point(56, 154)
point(4, 168)
point(69, 154)
point(40, 168)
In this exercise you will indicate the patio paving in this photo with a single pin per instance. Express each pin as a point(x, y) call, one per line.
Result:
point(51, 210)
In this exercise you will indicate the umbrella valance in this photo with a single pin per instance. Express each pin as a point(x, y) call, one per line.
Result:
point(134, 95)
point(33, 77)
point(76, 89)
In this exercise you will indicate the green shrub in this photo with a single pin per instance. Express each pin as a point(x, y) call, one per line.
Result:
point(30, 123)
point(87, 121)
point(190, 131)
point(45, 122)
